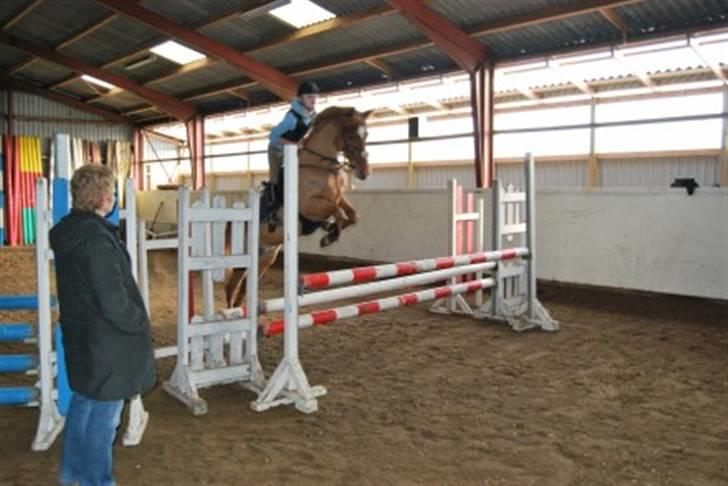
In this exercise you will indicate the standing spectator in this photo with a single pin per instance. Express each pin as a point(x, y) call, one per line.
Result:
point(106, 332)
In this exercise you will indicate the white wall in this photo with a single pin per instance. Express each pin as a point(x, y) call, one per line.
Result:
point(658, 240)
point(653, 240)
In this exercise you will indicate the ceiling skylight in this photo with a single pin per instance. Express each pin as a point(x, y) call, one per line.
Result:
point(97, 82)
point(176, 52)
point(300, 13)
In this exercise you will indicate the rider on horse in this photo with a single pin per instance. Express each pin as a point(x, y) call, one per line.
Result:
point(289, 131)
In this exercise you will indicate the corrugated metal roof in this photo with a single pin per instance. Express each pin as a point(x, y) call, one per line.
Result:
point(465, 13)
point(79, 88)
point(122, 101)
point(9, 56)
point(44, 72)
point(419, 62)
point(217, 74)
point(10, 9)
point(52, 22)
point(222, 102)
point(345, 77)
point(652, 16)
point(571, 33)
point(370, 36)
point(117, 38)
point(157, 67)
point(348, 7)
point(244, 33)
point(189, 12)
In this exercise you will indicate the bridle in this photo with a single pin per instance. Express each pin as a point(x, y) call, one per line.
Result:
point(336, 165)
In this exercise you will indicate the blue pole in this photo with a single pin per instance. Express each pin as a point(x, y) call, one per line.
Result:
point(17, 363)
point(18, 302)
point(16, 332)
point(18, 395)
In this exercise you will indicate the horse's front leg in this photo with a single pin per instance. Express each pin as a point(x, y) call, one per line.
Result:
point(352, 217)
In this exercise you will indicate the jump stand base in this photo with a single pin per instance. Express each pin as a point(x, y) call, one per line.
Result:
point(51, 424)
point(288, 386)
point(515, 313)
point(138, 421)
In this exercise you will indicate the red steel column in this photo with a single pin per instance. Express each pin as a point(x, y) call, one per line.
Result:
point(196, 143)
point(481, 100)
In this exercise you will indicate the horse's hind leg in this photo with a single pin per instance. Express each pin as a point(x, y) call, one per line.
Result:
point(234, 291)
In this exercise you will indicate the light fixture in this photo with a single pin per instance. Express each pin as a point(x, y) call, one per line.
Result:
point(263, 9)
point(97, 81)
point(176, 52)
point(300, 13)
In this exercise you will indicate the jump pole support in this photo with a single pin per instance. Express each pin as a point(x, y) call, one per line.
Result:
point(289, 384)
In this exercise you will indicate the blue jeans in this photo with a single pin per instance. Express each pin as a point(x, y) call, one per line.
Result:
point(87, 439)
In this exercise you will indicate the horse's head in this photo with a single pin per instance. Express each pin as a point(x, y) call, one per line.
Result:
point(354, 137)
point(351, 135)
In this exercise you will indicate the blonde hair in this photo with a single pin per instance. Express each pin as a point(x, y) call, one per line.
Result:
point(89, 184)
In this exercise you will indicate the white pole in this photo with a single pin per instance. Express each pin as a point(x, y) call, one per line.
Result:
point(498, 217)
point(50, 423)
point(183, 277)
point(131, 226)
point(290, 255)
point(143, 264)
point(531, 232)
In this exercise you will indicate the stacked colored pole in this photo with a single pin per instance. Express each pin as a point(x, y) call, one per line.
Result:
point(21, 167)
point(30, 170)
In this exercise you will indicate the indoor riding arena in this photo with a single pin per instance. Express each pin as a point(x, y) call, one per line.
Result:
point(373, 241)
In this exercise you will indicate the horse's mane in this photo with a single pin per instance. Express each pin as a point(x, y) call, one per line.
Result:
point(330, 114)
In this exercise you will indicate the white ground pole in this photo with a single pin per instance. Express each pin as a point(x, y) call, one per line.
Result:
point(201, 361)
point(51, 421)
point(288, 384)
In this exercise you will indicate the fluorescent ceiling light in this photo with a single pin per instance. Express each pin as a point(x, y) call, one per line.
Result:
point(300, 13)
point(176, 52)
point(97, 81)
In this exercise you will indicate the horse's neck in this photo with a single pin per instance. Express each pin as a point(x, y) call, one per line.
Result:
point(324, 141)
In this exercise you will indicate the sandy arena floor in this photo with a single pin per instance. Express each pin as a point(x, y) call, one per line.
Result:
point(632, 390)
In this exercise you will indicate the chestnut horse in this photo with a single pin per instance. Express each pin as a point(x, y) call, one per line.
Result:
point(322, 184)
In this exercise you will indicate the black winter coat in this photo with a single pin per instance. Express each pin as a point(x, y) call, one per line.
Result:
point(106, 332)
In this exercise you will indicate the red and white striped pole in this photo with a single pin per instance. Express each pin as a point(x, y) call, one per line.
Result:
point(331, 315)
point(366, 274)
point(389, 285)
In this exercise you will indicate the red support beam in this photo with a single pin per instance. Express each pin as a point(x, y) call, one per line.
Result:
point(196, 144)
point(481, 99)
point(66, 100)
point(267, 76)
point(166, 103)
point(467, 52)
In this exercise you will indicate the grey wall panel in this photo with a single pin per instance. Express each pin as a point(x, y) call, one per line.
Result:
point(68, 120)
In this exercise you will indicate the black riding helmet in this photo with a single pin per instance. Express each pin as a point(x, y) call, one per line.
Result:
point(308, 87)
